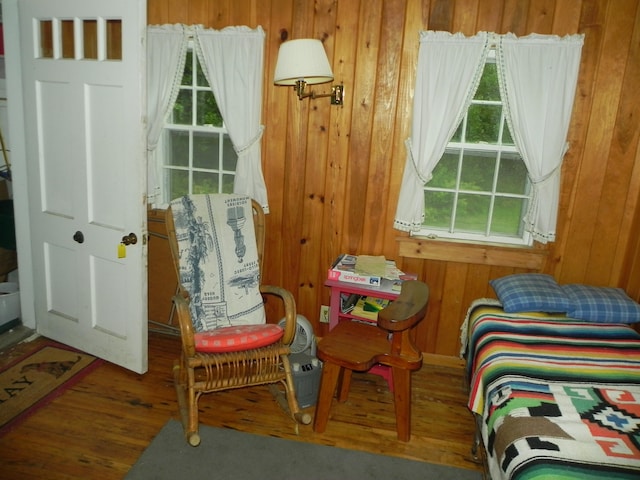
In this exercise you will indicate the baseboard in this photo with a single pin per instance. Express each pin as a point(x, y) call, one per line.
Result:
point(5, 327)
point(442, 360)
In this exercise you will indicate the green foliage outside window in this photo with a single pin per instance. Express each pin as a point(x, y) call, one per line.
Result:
point(207, 112)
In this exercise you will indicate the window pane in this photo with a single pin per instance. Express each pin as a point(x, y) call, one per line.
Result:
point(178, 149)
point(480, 175)
point(457, 136)
point(506, 216)
point(193, 139)
point(46, 39)
point(114, 39)
point(90, 39)
point(472, 214)
point(446, 171)
point(483, 123)
point(513, 176)
point(438, 209)
point(178, 183)
point(182, 108)
point(68, 39)
point(201, 79)
point(205, 182)
point(477, 172)
point(507, 139)
point(187, 77)
point(227, 183)
point(488, 88)
point(207, 112)
point(229, 155)
point(206, 152)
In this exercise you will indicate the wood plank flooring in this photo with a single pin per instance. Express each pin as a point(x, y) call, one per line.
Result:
point(100, 426)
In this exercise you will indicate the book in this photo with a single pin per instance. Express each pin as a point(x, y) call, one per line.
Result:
point(348, 301)
point(368, 307)
point(396, 285)
point(344, 270)
point(371, 265)
point(373, 304)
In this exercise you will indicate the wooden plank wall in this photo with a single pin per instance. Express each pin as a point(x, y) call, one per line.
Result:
point(333, 173)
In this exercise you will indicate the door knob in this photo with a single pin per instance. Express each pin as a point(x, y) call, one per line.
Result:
point(130, 239)
point(78, 236)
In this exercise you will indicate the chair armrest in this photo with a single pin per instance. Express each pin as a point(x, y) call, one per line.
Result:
point(290, 313)
point(408, 309)
point(186, 325)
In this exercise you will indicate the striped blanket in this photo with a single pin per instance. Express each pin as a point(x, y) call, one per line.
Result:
point(557, 398)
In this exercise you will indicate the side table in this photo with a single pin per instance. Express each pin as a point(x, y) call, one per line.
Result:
point(384, 291)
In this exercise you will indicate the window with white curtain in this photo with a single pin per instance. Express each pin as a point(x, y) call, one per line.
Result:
point(488, 136)
point(480, 188)
point(198, 154)
point(196, 77)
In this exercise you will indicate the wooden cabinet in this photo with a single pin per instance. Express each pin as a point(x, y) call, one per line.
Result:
point(161, 276)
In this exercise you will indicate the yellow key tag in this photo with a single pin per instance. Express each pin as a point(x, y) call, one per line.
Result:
point(122, 250)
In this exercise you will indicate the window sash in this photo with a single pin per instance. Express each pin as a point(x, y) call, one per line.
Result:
point(223, 177)
point(464, 149)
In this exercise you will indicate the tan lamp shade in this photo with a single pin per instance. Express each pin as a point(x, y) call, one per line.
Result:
point(302, 59)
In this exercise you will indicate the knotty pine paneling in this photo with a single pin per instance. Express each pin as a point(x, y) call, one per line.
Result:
point(333, 173)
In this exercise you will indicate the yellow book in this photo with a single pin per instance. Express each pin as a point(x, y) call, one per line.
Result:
point(368, 307)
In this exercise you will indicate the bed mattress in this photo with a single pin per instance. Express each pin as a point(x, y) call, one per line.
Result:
point(556, 397)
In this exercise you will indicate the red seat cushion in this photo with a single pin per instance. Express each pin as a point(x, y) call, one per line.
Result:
point(238, 338)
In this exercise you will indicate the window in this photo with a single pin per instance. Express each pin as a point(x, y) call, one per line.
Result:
point(199, 155)
point(480, 188)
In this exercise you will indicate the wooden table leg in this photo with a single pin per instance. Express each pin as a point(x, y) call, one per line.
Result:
point(330, 373)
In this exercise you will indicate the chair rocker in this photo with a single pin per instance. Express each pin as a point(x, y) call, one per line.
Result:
point(222, 346)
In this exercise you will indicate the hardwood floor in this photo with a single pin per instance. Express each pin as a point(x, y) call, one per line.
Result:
point(100, 426)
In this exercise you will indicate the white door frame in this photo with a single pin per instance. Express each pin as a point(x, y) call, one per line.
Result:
point(19, 166)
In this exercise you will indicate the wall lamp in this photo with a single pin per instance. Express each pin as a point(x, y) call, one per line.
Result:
point(304, 62)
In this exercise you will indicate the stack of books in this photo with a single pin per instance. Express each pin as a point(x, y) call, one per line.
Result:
point(364, 270)
point(373, 271)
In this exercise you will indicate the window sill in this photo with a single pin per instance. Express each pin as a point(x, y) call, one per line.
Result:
point(476, 253)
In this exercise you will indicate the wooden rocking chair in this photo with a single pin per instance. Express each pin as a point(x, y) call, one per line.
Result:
point(197, 371)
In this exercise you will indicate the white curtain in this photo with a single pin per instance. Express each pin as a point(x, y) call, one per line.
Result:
point(538, 76)
point(166, 54)
point(449, 69)
point(232, 60)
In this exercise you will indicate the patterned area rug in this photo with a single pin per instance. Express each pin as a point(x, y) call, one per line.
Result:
point(35, 379)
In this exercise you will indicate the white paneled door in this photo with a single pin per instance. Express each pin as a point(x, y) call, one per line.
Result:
point(85, 143)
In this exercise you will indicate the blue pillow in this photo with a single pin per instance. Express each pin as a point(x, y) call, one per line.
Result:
point(530, 292)
point(601, 304)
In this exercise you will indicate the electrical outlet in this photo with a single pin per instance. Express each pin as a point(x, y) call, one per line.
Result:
point(324, 314)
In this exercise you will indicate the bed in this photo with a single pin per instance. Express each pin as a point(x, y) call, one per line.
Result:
point(554, 396)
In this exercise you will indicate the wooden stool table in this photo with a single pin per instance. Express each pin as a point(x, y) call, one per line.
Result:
point(356, 346)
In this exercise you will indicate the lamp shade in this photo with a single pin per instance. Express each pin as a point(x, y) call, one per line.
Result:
point(303, 59)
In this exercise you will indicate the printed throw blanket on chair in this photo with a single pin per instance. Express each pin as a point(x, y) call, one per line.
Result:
point(219, 260)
